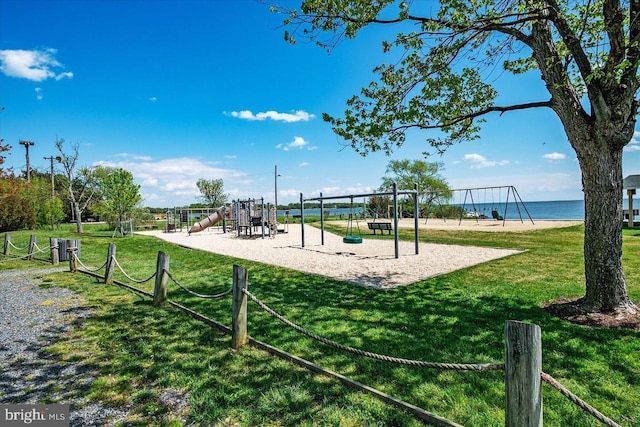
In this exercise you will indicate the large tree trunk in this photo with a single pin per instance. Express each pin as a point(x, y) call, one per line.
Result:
point(606, 289)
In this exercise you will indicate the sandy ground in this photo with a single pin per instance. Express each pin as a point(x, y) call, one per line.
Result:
point(372, 263)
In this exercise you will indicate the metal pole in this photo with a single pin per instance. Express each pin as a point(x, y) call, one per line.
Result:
point(415, 219)
point(321, 221)
point(395, 220)
point(275, 177)
point(302, 218)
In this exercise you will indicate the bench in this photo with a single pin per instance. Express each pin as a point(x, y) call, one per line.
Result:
point(146, 225)
point(382, 226)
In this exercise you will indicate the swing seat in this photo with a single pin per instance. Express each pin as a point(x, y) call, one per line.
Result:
point(352, 239)
point(496, 215)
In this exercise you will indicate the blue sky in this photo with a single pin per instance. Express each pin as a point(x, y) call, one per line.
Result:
point(174, 91)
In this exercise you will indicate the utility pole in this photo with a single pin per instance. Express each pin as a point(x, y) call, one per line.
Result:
point(27, 144)
point(53, 183)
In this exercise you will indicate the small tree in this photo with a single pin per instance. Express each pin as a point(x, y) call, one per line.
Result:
point(48, 208)
point(212, 191)
point(379, 206)
point(80, 183)
point(407, 173)
point(120, 195)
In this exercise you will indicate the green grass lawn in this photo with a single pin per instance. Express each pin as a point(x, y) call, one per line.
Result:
point(140, 351)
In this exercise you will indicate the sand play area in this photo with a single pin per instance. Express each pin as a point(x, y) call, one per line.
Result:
point(371, 263)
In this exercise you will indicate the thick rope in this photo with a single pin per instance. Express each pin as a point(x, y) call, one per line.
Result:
point(419, 363)
point(13, 257)
point(575, 399)
point(92, 270)
point(129, 277)
point(17, 248)
point(220, 295)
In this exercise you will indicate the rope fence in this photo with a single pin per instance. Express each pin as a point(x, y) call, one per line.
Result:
point(184, 288)
point(523, 348)
point(124, 273)
point(17, 248)
point(352, 350)
point(576, 400)
point(92, 270)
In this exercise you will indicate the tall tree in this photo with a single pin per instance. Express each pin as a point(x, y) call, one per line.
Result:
point(586, 52)
point(406, 173)
point(121, 195)
point(80, 183)
point(212, 191)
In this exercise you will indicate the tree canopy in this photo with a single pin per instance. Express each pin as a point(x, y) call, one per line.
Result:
point(586, 52)
point(212, 191)
point(120, 195)
point(406, 173)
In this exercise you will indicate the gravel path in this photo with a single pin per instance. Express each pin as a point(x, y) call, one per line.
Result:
point(33, 318)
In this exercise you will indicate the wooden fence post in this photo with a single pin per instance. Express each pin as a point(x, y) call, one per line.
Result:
point(32, 247)
point(7, 244)
point(108, 272)
point(53, 244)
point(239, 308)
point(160, 288)
point(523, 367)
point(71, 251)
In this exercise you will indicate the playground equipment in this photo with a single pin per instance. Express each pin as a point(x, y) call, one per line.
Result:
point(350, 237)
point(220, 215)
point(469, 203)
point(496, 212)
point(241, 216)
point(395, 193)
point(251, 215)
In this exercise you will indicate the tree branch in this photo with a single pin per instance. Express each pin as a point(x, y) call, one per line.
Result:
point(466, 117)
point(613, 22)
point(570, 40)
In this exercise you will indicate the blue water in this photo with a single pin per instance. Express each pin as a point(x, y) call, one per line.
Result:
point(559, 209)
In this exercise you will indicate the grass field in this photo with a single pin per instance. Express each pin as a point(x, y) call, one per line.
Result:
point(139, 351)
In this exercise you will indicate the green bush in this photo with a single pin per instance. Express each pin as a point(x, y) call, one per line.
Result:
point(16, 209)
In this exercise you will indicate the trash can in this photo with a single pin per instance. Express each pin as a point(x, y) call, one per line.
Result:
point(64, 244)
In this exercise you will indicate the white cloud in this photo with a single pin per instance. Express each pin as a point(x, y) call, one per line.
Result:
point(39, 95)
point(554, 156)
point(478, 161)
point(297, 116)
point(135, 156)
point(66, 74)
point(153, 98)
point(634, 144)
point(172, 179)
point(298, 142)
point(303, 164)
point(36, 65)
